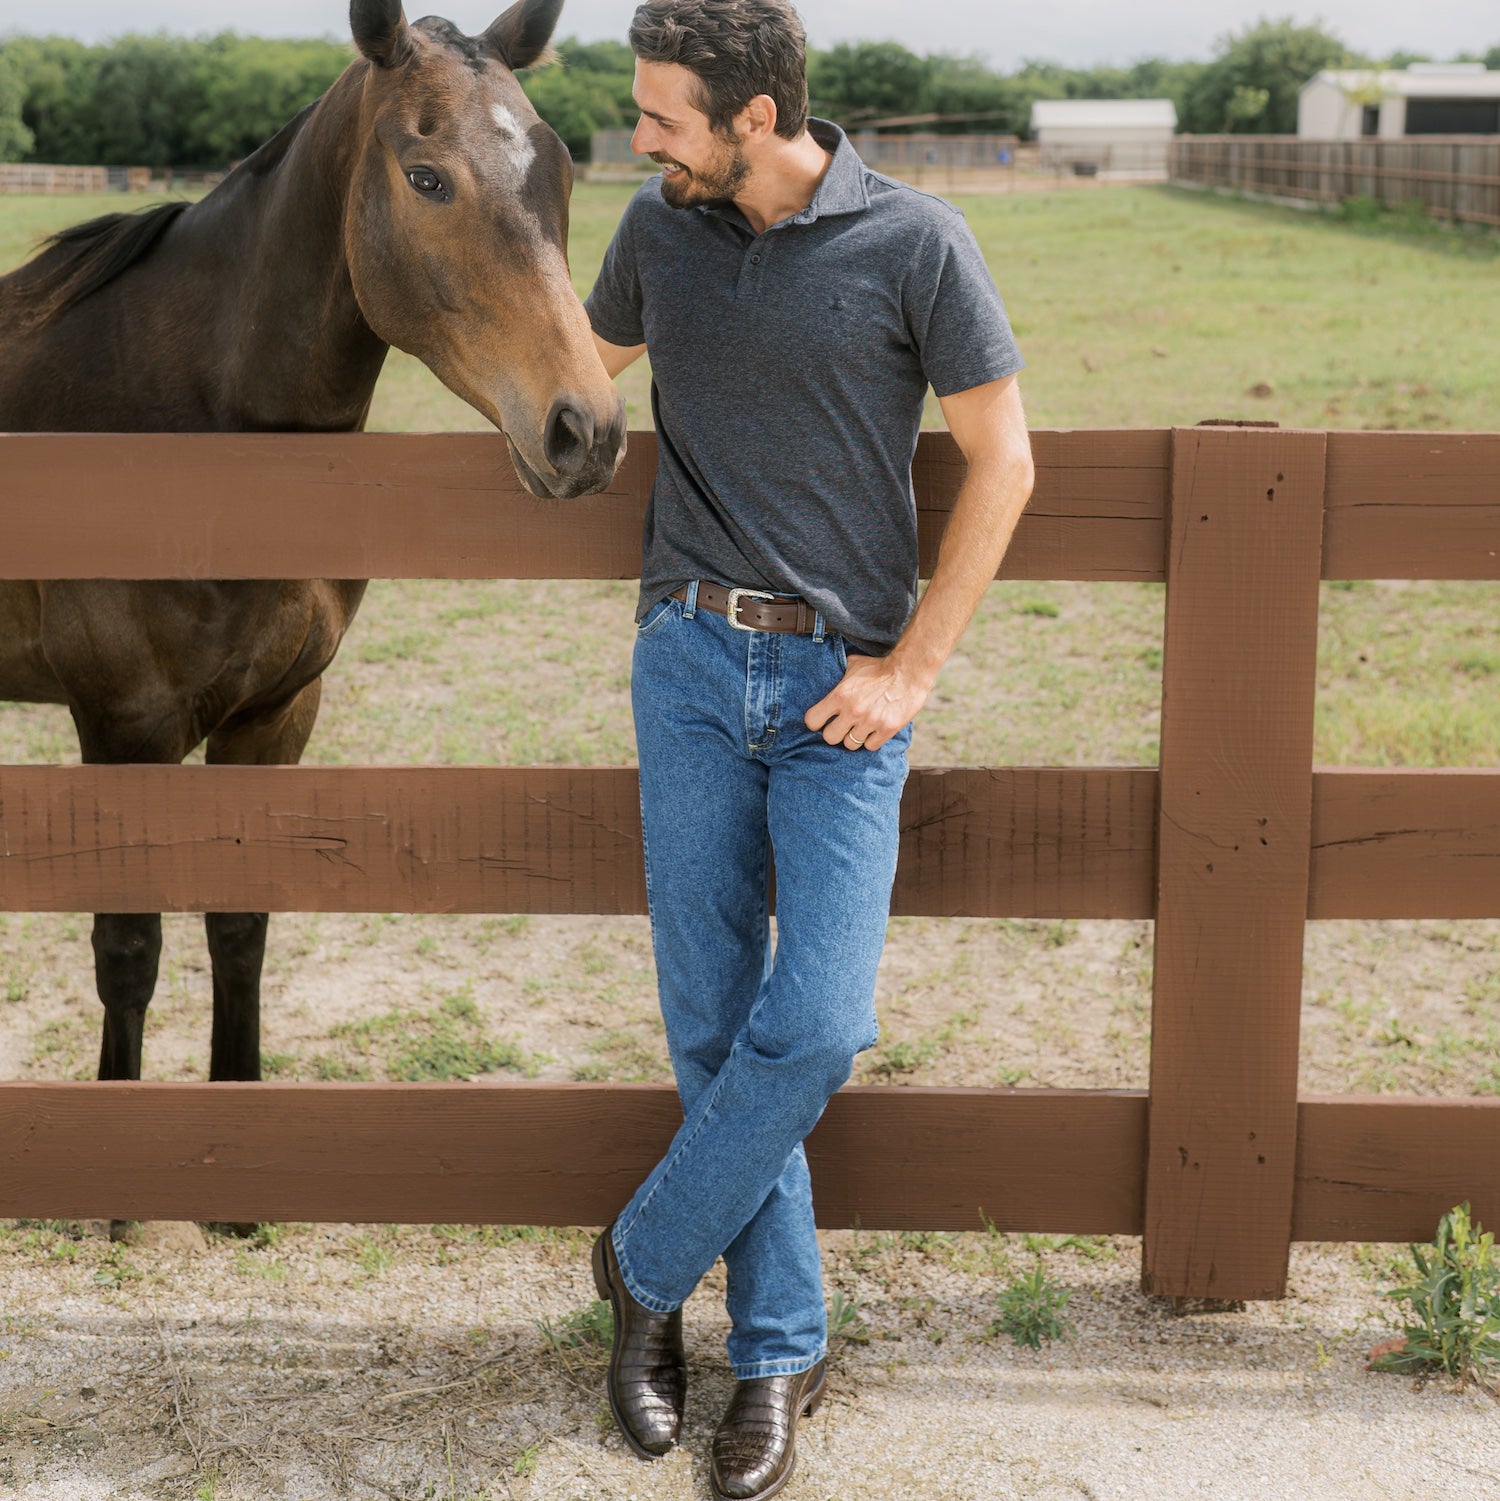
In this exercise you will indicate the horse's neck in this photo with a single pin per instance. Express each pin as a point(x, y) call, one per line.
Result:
point(303, 355)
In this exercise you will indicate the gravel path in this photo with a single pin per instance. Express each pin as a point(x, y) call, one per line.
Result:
point(366, 1362)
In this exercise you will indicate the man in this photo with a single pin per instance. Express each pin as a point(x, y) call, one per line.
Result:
point(796, 307)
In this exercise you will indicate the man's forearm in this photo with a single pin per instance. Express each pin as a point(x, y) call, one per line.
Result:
point(985, 515)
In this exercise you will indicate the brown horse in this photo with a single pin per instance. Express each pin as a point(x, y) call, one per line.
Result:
point(419, 203)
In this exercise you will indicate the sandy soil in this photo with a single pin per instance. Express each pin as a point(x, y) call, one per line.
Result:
point(367, 1363)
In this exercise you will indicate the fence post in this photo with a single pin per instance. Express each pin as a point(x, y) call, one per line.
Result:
point(1244, 556)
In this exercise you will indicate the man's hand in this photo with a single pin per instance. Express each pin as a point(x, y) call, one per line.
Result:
point(875, 700)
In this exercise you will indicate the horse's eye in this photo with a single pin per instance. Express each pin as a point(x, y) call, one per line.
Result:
point(424, 181)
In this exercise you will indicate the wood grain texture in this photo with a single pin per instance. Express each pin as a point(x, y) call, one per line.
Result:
point(1053, 1161)
point(976, 842)
point(1412, 506)
point(883, 1158)
point(1233, 855)
point(1405, 844)
point(1384, 1168)
point(1018, 843)
point(1097, 509)
point(396, 505)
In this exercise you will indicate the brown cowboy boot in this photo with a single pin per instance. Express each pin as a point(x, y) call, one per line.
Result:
point(647, 1379)
point(755, 1447)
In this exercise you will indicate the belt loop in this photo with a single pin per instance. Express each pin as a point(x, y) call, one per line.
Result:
point(690, 604)
point(819, 627)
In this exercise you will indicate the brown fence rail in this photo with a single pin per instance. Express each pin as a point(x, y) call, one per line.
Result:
point(1233, 844)
point(1456, 178)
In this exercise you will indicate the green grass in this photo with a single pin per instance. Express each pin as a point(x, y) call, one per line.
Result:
point(445, 1041)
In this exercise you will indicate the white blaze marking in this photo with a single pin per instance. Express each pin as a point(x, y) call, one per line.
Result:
point(521, 152)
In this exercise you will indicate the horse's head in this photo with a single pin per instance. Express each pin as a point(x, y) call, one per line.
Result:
point(457, 235)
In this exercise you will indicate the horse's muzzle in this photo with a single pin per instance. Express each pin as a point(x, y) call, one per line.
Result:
point(582, 450)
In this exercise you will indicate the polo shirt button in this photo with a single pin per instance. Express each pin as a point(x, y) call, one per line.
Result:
point(755, 260)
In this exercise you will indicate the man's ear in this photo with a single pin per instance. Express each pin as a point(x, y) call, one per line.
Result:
point(758, 118)
point(379, 28)
point(522, 35)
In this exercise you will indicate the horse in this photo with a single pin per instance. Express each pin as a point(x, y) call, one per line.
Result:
point(421, 203)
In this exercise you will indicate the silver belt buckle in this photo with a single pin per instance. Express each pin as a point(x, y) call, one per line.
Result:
point(732, 610)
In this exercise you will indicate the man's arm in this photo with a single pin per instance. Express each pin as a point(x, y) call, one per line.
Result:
point(616, 356)
point(880, 695)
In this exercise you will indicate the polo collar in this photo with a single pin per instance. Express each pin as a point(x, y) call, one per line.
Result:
point(842, 190)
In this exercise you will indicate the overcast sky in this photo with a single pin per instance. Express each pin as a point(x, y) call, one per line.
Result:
point(1077, 32)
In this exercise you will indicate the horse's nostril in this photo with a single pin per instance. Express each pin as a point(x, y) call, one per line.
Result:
point(570, 437)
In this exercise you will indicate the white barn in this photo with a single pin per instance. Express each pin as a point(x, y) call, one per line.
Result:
point(1111, 135)
point(1351, 104)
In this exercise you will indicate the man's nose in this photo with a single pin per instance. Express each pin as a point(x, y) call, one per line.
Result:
point(641, 142)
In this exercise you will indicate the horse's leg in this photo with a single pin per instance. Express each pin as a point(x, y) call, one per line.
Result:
point(127, 945)
point(237, 940)
point(127, 952)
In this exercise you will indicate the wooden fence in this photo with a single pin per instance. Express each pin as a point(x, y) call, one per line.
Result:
point(38, 177)
point(1456, 178)
point(1232, 846)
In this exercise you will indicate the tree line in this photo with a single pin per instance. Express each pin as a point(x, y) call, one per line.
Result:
point(205, 102)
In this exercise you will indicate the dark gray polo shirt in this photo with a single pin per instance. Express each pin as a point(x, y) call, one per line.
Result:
point(789, 374)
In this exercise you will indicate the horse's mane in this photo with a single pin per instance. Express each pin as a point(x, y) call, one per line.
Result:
point(77, 261)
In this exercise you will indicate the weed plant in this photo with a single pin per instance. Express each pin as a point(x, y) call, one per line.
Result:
point(1454, 1305)
point(1031, 1310)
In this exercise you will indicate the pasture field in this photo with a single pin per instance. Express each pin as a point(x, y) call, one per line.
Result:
point(1134, 306)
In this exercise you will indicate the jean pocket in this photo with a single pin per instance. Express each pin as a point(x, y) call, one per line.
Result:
point(841, 653)
point(656, 617)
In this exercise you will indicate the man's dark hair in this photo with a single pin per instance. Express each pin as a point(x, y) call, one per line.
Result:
point(737, 49)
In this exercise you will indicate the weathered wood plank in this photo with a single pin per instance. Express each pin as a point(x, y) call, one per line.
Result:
point(1057, 1161)
point(883, 1158)
point(1233, 855)
point(1384, 1168)
point(387, 505)
point(976, 842)
point(1405, 844)
point(1029, 842)
point(1412, 506)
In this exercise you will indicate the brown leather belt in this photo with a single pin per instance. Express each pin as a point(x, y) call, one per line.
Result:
point(754, 609)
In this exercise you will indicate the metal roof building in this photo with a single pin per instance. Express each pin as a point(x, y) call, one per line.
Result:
point(1105, 135)
point(1350, 104)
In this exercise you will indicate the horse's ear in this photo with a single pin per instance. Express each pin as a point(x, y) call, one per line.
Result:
point(522, 34)
point(379, 29)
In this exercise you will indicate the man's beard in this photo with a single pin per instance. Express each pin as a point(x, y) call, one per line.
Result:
point(716, 182)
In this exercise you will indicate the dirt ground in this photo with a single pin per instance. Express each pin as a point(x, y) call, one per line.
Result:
point(331, 1361)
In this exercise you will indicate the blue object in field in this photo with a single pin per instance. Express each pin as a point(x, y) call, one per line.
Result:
point(1003, 157)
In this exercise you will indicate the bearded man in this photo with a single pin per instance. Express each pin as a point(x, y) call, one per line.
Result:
point(796, 307)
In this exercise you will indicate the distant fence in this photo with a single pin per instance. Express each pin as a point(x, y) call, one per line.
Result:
point(1231, 845)
point(1453, 177)
point(38, 177)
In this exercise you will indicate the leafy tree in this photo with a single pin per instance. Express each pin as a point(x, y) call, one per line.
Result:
point(869, 79)
point(247, 88)
point(58, 76)
point(15, 137)
point(143, 99)
point(1272, 57)
point(1492, 57)
point(587, 89)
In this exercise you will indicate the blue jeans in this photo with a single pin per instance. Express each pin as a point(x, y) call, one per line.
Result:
point(759, 1038)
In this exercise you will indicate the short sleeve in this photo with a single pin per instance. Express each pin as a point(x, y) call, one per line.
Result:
point(953, 309)
point(614, 304)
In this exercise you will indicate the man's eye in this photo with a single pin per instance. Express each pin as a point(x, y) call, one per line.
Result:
point(424, 181)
